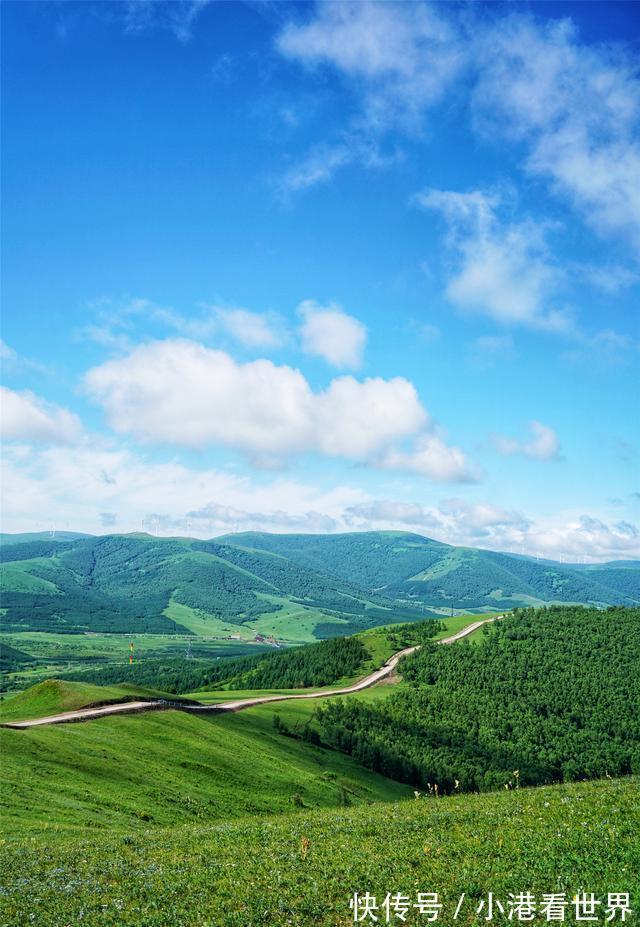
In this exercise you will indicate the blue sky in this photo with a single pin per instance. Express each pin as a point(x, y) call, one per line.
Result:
point(319, 267)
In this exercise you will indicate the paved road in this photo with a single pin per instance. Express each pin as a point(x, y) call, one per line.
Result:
point(87, 714)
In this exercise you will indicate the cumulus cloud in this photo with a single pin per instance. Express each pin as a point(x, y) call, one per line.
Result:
point(589, 538)
point(182, 393)
point(27, 417)
point(544, 445)
point(328, 332)
point(218, 516)
point(502, 268)
point(95, 489)
point(432, 458)
point(85, 488)
point(452, 521)
point(483, 524)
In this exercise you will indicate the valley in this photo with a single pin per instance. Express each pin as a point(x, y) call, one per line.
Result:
point(310, 755)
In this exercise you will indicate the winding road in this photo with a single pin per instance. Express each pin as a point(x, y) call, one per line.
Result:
point(88, 714)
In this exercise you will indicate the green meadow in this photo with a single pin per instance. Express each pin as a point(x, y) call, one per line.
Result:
point(300, 869)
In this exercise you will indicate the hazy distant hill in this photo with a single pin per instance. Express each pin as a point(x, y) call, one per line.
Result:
point(42, 536)
point(134, 582)
point(338, 583)
point(410, 567)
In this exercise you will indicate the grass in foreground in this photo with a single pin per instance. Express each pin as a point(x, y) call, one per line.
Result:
point(300, 870)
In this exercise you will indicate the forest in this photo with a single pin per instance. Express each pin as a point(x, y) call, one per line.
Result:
point(314, 665)
point(551, 695)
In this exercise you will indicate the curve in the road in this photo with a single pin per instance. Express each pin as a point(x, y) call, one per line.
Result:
point(88, 714)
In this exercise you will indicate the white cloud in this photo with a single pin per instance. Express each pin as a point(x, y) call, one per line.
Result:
point(544, 445)
point(566, 537)
point(27, 417)
point(179, 392)
point(97, 489)
point(452, 521)
point(183, 393)
point(7, 354)
point(252, 329)
point(87, 488)
point(175, 16)
point(228, 518)
point(603, 349)
point(121, 322)
point(502, 269)
point(589, 538)
point(12, 362)
point(573, 108)
point(323, 161)
point(431, 457)
point(385, 512)
point(577, 109)
point(328, 332)
point(403, 56)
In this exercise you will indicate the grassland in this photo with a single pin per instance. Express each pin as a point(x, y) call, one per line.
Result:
point(54, 696)
point(167, 768)
point(301, 869)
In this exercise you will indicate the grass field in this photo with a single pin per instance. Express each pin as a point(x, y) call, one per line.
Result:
point(300, 870)
point(137, 771)
point(58, 654)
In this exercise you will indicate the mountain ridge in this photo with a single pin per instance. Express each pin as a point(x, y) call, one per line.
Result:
point(335, 584)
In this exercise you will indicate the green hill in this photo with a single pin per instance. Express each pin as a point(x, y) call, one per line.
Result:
point(552, 693)
point(302, 869)
point(294, 587)
point(56, 695)
point(167, 768)
point(124, 584)
point(415, 569)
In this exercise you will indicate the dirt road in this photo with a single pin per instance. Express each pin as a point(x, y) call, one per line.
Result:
point(88, 714)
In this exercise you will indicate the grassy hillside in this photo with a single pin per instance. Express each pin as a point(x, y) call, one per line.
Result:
point(416, 569)
point(166, 768)
point(302, 869)
point(54, 696)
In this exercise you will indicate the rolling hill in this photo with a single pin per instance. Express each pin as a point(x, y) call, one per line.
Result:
point(296, 587)
point(414, 569)
point(137, 583)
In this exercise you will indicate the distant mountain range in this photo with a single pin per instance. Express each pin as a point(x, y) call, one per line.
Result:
point(412, 568)
point(334, 584)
